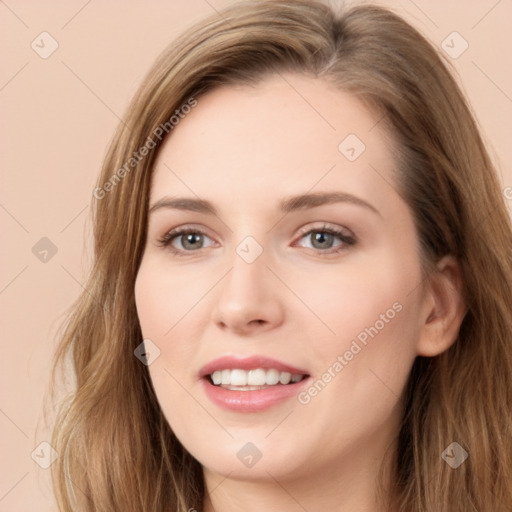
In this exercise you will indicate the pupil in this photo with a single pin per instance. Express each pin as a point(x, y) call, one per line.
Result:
point(322, 236)
point(189, 239)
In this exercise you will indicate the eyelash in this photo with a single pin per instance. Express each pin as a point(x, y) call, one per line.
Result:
point(165, 241)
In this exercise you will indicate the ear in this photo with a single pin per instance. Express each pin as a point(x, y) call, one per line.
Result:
point(444, 308)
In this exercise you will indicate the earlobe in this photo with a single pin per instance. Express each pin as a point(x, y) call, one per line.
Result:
point(445, 308)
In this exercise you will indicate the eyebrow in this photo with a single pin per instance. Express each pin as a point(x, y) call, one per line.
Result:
point(287, 205)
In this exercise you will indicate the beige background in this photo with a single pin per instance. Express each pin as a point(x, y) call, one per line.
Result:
point(58, 115)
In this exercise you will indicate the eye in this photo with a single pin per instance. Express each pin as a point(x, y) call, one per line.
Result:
point(190, 240)
point(322, 239)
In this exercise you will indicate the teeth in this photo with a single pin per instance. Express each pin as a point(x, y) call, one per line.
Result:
point(272, 377)
point(256, 377)
point(253, 379)
point(238, 378)
point(285, 378)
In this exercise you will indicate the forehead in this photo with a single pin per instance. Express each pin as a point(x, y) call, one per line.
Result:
point(289, 133)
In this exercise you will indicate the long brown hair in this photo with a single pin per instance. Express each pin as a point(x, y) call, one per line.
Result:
point(116, 450)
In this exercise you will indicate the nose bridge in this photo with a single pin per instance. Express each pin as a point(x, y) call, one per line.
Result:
point(246, 280)
point(247, 296)
point(249, 254)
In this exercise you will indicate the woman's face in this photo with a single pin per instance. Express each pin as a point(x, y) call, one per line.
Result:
point(324, 287)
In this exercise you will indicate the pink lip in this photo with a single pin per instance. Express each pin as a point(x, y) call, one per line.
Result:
point(250, 401)
point(247, 363)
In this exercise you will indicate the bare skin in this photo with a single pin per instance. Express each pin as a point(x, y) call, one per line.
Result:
point(304, 300)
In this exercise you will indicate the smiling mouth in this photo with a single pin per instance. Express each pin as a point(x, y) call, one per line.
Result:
point(253, 380)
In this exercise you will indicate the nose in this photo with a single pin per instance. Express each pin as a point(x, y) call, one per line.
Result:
point(249, 299)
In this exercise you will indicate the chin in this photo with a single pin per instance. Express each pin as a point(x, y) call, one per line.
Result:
point(245, 460)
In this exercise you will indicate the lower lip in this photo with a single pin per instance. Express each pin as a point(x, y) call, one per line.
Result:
point(251, 401)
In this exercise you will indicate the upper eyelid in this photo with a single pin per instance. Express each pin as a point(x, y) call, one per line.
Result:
point(325, 225)
point(175, 233)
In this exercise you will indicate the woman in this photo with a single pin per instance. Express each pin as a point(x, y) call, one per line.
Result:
point(301, 291)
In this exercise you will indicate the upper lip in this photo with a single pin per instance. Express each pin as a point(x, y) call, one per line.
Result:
point(248, 363)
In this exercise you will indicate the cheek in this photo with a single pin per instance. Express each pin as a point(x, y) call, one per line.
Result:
point(371, 325)
point(163, 300)
point(150, 298)
point(165, 297)
point(352, 298)
point(361, 370)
